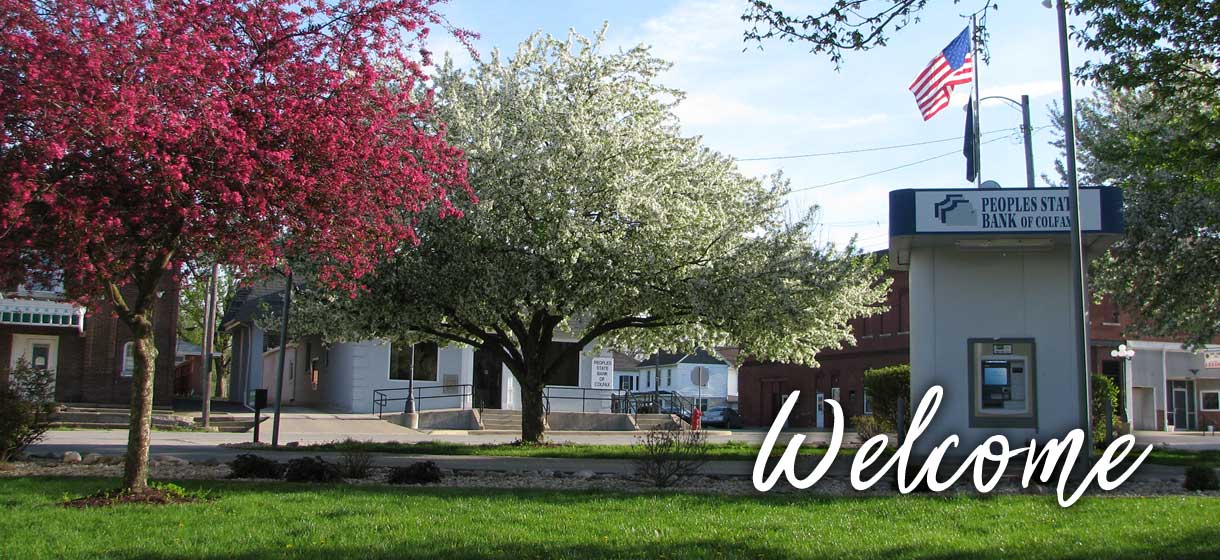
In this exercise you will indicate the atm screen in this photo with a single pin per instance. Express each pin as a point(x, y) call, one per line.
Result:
point(993, 375)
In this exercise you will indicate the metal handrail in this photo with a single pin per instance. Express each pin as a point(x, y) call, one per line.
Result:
point(382, 397)
point(657, 400)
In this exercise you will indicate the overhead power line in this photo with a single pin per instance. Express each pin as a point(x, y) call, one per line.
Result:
point(876, 148)
point(903, 166)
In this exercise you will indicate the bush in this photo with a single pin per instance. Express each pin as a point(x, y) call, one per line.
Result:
point(885, 386)
point(26, 406)
point(1200, 477)
point(253, 466)
point(1103, 389)
point(355, 463)
point(311, 469)
point(670, 454)
point(869, 426)
point(423, 472)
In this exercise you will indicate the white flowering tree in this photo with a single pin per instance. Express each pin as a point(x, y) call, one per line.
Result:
point(597, 219)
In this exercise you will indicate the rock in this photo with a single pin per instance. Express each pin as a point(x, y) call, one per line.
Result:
point(91, 459)
point(210, 462)
point(584, 475)
point(293, 444)
point(113, 460)
point(546, 474)
point(71, 458)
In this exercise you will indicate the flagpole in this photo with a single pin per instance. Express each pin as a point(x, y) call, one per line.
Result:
point(978, 148)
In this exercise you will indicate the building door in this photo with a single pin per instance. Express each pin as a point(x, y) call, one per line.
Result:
point(772, 400)
point(819, 405)
point(1179, 410)
point(40, 351)
point(1143, 404)
point(488, 373)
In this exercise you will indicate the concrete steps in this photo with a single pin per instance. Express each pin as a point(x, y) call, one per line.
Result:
point(110, 417)
point(231, 423)
point(502, 420)
point(647, 422)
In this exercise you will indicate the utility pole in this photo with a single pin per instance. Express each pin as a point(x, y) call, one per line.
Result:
point(1029, 143)
point(1027, 133)
point(1080, 316)
point(209, 333)
point(279, 374)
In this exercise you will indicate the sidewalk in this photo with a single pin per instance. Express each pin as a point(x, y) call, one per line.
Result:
point(200, 446)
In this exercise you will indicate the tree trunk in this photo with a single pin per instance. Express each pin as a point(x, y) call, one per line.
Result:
point(144, 350)
point(533, 412)
point(219, 392)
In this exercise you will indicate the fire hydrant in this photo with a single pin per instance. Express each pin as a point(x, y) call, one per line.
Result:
point(695, 416)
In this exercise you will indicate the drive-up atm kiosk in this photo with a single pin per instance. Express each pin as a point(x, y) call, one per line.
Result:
point(991, 305)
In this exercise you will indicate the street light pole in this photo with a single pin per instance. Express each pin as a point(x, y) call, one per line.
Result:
point(409, 410)
point(1080, 317)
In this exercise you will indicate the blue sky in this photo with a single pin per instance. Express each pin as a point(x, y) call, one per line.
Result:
point(783, 100)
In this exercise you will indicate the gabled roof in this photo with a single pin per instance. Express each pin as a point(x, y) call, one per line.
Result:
point(249, 301)
point(664, 358)
point(623, 361)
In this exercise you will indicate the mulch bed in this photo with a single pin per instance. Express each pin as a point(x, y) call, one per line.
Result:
point(147, 496)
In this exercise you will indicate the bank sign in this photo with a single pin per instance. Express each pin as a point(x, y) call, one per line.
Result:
point(1003, 211)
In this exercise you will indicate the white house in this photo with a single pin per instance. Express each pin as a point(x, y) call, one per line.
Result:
point(365, 376)
point(706, 378)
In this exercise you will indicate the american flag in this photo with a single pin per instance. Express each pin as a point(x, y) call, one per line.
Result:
point(952, 67)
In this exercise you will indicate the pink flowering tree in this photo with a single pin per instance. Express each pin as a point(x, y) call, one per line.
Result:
point(140, 137)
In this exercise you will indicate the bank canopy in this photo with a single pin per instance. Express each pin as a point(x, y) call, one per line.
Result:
point(999, 219)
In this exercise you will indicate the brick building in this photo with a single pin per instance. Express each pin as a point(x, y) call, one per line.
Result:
point(881, 340)
point(89, 349)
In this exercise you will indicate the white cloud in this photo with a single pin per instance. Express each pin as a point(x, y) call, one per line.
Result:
point(693, 32)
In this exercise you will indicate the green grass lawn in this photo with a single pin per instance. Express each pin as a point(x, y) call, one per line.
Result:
point(282, 520)
point(1180, 458)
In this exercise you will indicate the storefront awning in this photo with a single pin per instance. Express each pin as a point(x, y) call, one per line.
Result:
point(36, 313)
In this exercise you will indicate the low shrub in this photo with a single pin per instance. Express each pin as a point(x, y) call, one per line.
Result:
point(423, 472)
point(869, 426)
point(254, 466)
point(670, 454)
point(26, 406)
point(311, 469)
point(885, 386)
point(355, 463)
point(1199, 477)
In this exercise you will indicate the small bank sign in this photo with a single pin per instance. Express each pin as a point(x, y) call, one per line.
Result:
point(1003, 211)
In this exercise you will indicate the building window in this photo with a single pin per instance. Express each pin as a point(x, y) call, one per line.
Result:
point(669, 378)
point(868, 403)
point(1209, 400)
point(129, 360)
point(425, 361)
point(626, 382)
point(904, 318)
